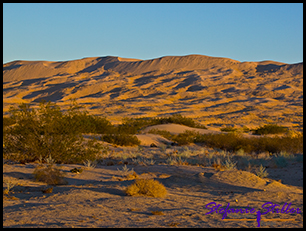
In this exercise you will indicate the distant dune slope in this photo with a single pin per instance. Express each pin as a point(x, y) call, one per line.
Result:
point(215, 91)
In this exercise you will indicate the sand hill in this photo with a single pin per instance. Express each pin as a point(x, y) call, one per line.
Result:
point(215, 91)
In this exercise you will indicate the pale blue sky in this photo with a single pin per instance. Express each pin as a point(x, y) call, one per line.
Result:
point(242, 31)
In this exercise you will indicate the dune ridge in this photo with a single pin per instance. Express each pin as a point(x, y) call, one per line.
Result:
point(215, 91)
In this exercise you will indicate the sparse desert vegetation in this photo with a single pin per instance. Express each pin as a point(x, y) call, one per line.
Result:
point(173, 184)
point(270, 129)
point(179, 139)
point(49, 174)
point(146, 187)
point(38, 133)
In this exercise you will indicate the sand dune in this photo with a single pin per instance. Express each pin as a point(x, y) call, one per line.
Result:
point(215, 91)
point(177, 128)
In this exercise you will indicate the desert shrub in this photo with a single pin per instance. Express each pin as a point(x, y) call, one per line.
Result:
point(7, 121)
point(121, 139)
point(125, 171)
point(81, 121)
point(49, 174)
point(9, 185)
point(163, 133)
point(228, 129)
point(234, 142)
point(262, 172)
point(278, 144)
point(134, 125)
point(229, 141)
point(245, 129)
point(179, 119)
point(187, 137)
point(44, 132)
point(229, 164)
point(86, 123)
point(146, 187)
point(270, 129)
point(102, 125)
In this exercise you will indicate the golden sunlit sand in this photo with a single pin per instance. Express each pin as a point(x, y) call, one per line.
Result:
point(96, 197)
point(216, 92)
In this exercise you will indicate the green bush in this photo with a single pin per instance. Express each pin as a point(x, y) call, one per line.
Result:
point(163, 133)
point(86, 123)
point(234, 142)
point(187, 137)
point(270, 129)
point(7, 121)
point(228, 129)
point(134, 125)
point(179, 119)
point(47, 131)
point(121, 139)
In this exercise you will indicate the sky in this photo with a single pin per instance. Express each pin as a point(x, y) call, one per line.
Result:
point(68, 31)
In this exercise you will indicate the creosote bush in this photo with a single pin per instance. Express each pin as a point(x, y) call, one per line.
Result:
point(146, 187)
point(47, 131)
point(228, 129)
point(134, 125)
point(121, 139)
point(270, 129)
point(235, 141)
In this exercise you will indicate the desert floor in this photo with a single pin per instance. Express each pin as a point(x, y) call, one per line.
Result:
point(96, 197)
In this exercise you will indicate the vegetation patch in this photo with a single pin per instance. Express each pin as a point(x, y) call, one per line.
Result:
point(228, 129)
point(39, 133)
point(134, 125)
point(146, 187)
point(121, 139)
point(270, 129)
point(50, 175)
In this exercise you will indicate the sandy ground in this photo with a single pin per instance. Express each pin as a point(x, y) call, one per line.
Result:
point(96, 197)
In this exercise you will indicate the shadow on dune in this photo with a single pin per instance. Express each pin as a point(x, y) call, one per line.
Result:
point(268, 68)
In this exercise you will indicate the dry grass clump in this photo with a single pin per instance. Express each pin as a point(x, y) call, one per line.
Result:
point(146, 187)
point(50, 175)
point(261, 172)
point(157, 212)
point(9, 185)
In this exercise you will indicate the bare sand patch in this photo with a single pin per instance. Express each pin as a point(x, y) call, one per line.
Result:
point(95, 198)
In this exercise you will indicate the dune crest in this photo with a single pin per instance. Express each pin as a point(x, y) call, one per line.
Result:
point(215, 91)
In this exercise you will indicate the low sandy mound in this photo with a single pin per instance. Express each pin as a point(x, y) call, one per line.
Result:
point(250, 180)
point(177, 128)
point(278, 186)
point(239, 178)
point(148, 139)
